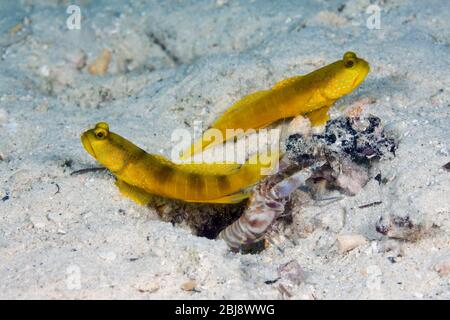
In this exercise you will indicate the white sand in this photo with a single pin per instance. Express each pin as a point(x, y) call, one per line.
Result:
point(86, 241)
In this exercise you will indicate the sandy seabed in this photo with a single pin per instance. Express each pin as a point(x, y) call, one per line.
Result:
point(172, 63)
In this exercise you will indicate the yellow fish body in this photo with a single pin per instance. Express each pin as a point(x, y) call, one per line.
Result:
point(310, 95)
point(140, 174)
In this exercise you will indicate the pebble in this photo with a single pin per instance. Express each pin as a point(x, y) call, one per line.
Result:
point(147, 286)
point(189, 285)
point(45, 70)
point(292, 272)
point(442, 266)
point(300, 125)
point(347, 242)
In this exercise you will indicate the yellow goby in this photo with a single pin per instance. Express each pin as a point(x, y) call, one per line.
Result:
point(141, 175)
point(310, 95)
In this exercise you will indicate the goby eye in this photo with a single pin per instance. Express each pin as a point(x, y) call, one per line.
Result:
point(349, 59)
point(349, 63)
point(101, 130)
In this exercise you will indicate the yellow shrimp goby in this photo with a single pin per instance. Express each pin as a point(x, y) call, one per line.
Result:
point(310, 95)
point(140, 174)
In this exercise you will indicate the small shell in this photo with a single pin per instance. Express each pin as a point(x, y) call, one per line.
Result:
point(147, 286)
point(189, 285)
point(300, 125)
point(100, 64)
point(347, 242)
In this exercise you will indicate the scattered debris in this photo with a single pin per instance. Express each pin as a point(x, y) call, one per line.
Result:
point(271, 281)
point(398, 227)
point(348, 242)
point(347, 146)
point(67, 163)
point(395, 258)
point(86, 170)
point(101, 63)
point(368, 205)
point(446, 166)
point(380, 179)
point(58, 189)
point(360, 139)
